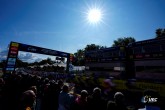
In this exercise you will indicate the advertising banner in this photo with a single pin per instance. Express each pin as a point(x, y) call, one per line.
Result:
point(12, 56)
point(15, 47)
point(35, 49)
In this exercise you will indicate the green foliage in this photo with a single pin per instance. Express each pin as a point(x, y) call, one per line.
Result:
point(80, 54)
point(79, 57)
point(123, 41)
point(160, 33)
point(92, 47)
point(42, 62)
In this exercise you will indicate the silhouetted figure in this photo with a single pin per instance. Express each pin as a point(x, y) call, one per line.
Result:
point(81, 101)
point(27, 101)
point(118, 103)
point(65, 99)
point(2, 98)
point(45, 97)
point(95, 101)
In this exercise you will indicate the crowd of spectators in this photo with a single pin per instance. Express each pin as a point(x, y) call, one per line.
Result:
point(31, 92)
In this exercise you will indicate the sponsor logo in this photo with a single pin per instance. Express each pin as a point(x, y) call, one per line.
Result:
point(10, 63)
point(64, 54)
point(70, 67)
point(32, 49)
point(10, 69)
point(71, 55)
point(12, 59)
point(13, 56)
point(139, 56)
point(47, 51)
point(147, 55)
point(13, 52)
point(14, 48)
point(10, 66)
point(14, 44)
point(149, 99)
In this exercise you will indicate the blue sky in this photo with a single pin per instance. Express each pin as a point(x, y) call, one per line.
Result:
point(62, 25)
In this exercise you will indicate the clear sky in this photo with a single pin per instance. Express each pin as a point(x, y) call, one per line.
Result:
point(62, 24)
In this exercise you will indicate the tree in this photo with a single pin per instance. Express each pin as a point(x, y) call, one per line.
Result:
point(123, 41)
point(79, 57)
point(46, 61)
point(80, 54)
point(103, 47)
point(92, 47)
point(49, 61)
point(160, 33)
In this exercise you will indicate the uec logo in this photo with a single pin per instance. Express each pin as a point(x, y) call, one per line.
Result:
point(149, 99)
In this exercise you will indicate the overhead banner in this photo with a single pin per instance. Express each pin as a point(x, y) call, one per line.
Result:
point(35, 49)
point(15, 47)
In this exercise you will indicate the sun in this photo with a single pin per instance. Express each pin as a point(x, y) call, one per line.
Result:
point(94, 15)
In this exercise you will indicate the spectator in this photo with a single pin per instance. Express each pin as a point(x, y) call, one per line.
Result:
point(65, 99)
point(118, 103)
point(81, 101)
point(45, 98)
point(28, 99)
point(34, 89)
point(2, 83)
point(95, 101)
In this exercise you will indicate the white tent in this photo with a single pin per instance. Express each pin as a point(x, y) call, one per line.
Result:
point(61, 64)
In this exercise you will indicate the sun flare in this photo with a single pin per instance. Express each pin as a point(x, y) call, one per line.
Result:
point(94, 15)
